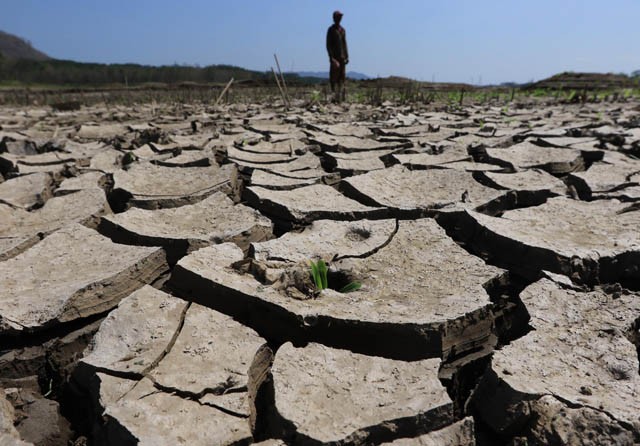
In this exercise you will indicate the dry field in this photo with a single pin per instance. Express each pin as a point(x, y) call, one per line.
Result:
point(156, 288)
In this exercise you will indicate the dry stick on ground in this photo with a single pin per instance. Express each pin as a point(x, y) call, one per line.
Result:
point(284, 84)
point(284, 98)
point(224, 90)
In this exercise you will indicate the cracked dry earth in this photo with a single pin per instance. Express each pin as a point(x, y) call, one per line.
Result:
point(155, 285)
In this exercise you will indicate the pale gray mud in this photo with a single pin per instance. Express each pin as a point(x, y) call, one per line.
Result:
point(483, 282)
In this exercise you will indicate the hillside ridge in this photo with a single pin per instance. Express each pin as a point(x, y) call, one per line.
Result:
point(14, 47)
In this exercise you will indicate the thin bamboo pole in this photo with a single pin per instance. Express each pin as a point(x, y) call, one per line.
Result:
point(284, 84)
point(224, 91)
point(284, 98)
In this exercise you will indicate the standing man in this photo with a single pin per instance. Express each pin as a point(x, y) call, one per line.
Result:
point(338, 56)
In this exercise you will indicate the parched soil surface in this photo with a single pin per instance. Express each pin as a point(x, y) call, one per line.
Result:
point(482, 287)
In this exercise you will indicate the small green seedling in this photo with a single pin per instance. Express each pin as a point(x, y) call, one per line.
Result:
point(319, 274)
point(353, 286)
point(315, 97)
point(320, 278)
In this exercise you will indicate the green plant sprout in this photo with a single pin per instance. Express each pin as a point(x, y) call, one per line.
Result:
point(319, 274)
point(320, 278)
point(315, 96)
point(348, 288)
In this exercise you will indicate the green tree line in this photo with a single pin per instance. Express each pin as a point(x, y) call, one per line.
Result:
point(76, 73)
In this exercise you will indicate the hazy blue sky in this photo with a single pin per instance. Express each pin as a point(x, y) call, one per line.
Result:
point(446, 40)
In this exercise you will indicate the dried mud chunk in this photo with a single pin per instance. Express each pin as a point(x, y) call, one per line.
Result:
point(240, 155)
point(527, 155)
point(287, 147)
point(213, 220)
point(471, 166)
point(309, 203)
point(460, 433)
point(327, 239)
point(89, 180)
point(589, 241)
point(627, 194)
point(354, 144)
point(418, 191)
point(9, 435)
point(26, 191)
point(353, 163)
point(210, 358)
point(71, 274)
point(188, 158)
point(81, 207)
point(615, 171)
point(422, 296)
point(271, 127)
point(329, 396)
point(20, 229)
point(557, 423)
point(308, 161)
point(527, 180)
point(269, 180)
point(38, 419)
point(344, 129)
point(423, 130)
point(21, 147)
point(124, 344)
point(425, 160)
point(54, 163)
point(186, 362)
point(141, 415)
point(151, 187)
point(145, 153)
point(100, 131)
point(108, 160)
point(579, 355)
point(12, 246)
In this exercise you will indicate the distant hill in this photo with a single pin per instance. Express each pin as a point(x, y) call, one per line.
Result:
point(72, 73)
point(584, 81)
point(14, 47)
point(325, 74)
point(20, 62)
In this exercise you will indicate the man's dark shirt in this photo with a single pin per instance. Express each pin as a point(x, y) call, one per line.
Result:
point(337, 43)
